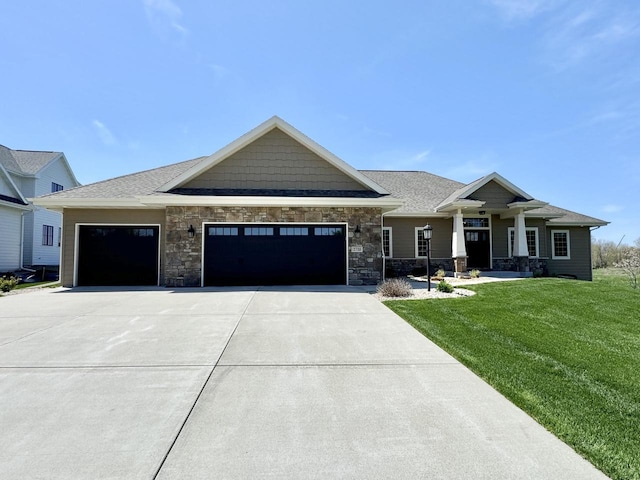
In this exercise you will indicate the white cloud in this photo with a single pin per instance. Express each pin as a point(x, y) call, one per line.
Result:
point(164, 13)
point(611, 208)
point(104, 133)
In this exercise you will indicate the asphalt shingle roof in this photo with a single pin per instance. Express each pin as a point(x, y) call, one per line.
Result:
point(129, 186)
point(422, 192)
point(27, 162)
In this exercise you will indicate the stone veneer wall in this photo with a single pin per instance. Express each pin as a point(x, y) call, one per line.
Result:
point(183, 255)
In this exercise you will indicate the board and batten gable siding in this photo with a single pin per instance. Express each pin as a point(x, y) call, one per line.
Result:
point(580, 252)
point(494, 195)
point(403, 235)
point(71, 217)
point(10, 219)
point(275, 161)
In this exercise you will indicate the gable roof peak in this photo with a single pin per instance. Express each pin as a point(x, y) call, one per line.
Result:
point(257, 132)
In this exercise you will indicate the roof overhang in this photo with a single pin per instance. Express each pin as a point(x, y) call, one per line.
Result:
point(259, 131)
point(160, 201)
point(516, 208)
point(461, 204)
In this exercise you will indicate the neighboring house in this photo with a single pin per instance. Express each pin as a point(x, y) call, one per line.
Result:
point(274, 207)
point(31, 235)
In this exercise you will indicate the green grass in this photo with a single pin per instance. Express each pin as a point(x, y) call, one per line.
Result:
point(566, 352)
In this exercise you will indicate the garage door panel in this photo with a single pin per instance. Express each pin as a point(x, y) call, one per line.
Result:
point(118, 255)
point(275, 255)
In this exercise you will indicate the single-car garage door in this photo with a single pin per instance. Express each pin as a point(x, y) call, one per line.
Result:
point(118, 255)
point(268, 254)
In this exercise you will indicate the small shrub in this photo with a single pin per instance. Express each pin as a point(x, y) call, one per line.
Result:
point(538, 273)
point(395, 287)
point(441, 273)
point(445, 287)
point(475, 273)
point(8, 283)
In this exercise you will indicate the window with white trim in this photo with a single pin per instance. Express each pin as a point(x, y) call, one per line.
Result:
point(387, 242)
point(532, 240)
point(421, 243)
point(560, 245)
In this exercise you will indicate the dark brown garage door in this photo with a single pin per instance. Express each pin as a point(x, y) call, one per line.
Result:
point(267, 254)
point(118, 255)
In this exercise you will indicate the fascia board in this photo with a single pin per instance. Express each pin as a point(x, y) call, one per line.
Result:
point(460, 204)
point(578, 224)
point(253, 201)
point(417, 214)
point(531, 204)
point(4, 203)
point(55, 202)
point(257, 132)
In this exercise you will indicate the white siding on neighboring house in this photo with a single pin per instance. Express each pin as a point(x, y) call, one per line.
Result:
point(35, 253)
point(10, 222)
point(45, 254)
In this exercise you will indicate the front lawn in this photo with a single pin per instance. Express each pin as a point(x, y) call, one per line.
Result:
point(566, 352)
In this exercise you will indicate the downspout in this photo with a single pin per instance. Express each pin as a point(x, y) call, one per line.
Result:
point(22, 267)
point(384, 259)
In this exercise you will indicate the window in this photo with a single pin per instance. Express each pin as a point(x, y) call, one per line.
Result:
point(476, 222)
point(223, 231)
point(387, 242)
point(421, 243)
point(142, 232)
point(532, 240)
point(56, 187)
point(326, 231)
point(560, 245)
point(47, 235)
point(59, 236)
point(258, 231)
point(294, 231)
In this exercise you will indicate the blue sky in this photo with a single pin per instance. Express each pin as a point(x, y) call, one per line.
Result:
point(545, 92)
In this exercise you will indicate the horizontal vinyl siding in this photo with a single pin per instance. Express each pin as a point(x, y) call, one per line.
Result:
point(71, 217)
point(54, 172)
point(10, 238)
point(580, 251)
point(45, 254)
point(403, 234)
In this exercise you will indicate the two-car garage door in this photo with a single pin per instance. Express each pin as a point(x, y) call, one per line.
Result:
point(274, 254)
point(234, 254)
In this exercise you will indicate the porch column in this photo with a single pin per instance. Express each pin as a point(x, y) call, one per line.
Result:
point(458, 248)
point(520, 248)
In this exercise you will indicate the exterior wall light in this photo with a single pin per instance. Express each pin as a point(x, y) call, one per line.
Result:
point(428, 231)
point(191, 231)
point(357, 231)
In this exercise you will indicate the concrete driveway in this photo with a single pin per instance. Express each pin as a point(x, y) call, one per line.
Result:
point(248, 383)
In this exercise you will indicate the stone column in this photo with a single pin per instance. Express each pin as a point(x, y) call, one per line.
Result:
point(520, 247)
point(458, 247)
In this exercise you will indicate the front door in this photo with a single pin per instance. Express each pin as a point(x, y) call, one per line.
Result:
point(478, 248)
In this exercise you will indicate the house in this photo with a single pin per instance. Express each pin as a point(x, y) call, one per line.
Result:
point(275, 207)
point(31, 235)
